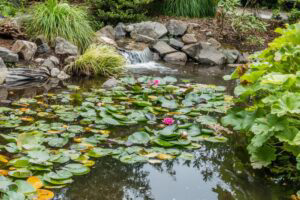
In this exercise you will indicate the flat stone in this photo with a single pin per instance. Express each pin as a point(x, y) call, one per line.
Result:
point(215, 43)
point(176, 44)
point(8, 56)
point(177, 58)
point(107, 31)
point(39, 60)
point(105, 40)
point(189, 38)
point(192, 50)
point(64, 47)
point(55, 72)
point(144, 38)
point(150, 29)
point(24, 49)
point(176, 27)
point(163, 48)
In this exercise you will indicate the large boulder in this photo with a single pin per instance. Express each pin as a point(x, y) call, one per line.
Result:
point(3, 71)
point(150, 29)
point(120, 31)
point(189, 39)
point(107, 31)
point(8, 56)
point(176, 27)
point(176, 43)
point(192, 50)
point(24, 49)
point(163, 48)
point(177, 58)
point(210, 55)
point(64, 47)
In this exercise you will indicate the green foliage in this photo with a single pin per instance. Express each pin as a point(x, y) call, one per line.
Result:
point(190, 8)
point(7, 8)
point(269, 89)
point(114, 11)
point(99, 60)
point(294, 15)
point(54, 18)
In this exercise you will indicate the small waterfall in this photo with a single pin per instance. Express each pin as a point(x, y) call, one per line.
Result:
point(136, 57)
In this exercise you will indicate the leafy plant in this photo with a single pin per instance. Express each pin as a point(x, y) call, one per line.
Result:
point(226, 9)
point(269, 93)
point(99, 60)
point(190, 8)
point(255, 40)
point(7, 8)
point(294, 15)
point(52, 19)
point(115, 11)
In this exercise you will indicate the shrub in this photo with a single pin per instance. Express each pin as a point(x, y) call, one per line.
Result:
point(53, 19)
point(269, 99)
point(98, 60)
point(190, 8)
point(114, 11)
point(7, 9)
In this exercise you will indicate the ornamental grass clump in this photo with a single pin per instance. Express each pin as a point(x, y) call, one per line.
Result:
point(52, 19)
point(98, 60)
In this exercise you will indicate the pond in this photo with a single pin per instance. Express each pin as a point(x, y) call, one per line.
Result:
point(218, 171)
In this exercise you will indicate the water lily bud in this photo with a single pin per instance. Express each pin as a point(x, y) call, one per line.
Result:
point(184, 134)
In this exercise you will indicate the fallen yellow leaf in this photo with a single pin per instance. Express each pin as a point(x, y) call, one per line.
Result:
point(23, 109)
point(54, 131)
point(78, 140)
point(27, 119)
point(105, 132)
point(44, 194)
point(163, 156)
point(3, 159)
point(88, 163)
point(4, 172)
point(35, 182)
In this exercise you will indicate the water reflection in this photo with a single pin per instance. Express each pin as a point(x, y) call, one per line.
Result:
point(218, 172)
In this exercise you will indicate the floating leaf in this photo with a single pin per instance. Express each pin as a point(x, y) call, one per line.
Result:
point(35, 181)
point(77, 169)
point(43, 194)
point(139, 138)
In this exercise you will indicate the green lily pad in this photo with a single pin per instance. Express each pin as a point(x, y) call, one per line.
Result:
point(77, 169)
point(139, 138)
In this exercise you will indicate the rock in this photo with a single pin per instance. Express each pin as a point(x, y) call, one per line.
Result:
point(231, 55)
point(48, 64)
point(69, 60)
point(129, 28)
point(8, 56)
point(3, 71)
point(42, 45)
point(63, 47)
point(215, 43)
point(120, 31)
point(176, 44)
point(24, 49)
point(55, 72)
point(144, 38)
point(63, 76)
point(210, 55)
point(105, 40)
point(54, 59)
point(192, 49)
point(163, 48)
point(110, 83)
point(189, 38)
point(176, 27)
point(150, 29)
point(39, 61)
point(156, 57)
point(243, 58)
point(209, 34)
point(177, 58)
point(107, 31)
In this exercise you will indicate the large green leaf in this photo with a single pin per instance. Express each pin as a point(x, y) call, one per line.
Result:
point(139, 138)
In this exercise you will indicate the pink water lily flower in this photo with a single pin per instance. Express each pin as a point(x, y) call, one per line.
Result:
point(168, 121)
point(156, 82)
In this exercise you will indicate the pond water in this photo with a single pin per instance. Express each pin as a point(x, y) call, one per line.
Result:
point(219, 171)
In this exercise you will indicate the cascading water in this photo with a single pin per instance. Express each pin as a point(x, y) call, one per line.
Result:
point(143, 61)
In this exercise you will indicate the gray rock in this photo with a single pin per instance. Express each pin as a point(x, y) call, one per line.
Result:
point(129, 28)
point(63, 47)
point(54, 59)
point(156, 57)
point(110, 83)
point(176, 43)
point(120, 31)
point(48, 64)
point(3, 71)
point(192, 50)
point(215, 43)
point(8, 56)
point(210, 55)
point(102, 39)
point(69, 60)
point(189, 38)
point(107, 31)
point(42, 45)
point(231, 55)
point(63, 76)
point(150, 29)
point(144, 38)
point(163, 48)
point(24, 49)
point(176, 27)
point(243, 58)
point(177, 58)
point(39, 61)
point(209, 34)
point(55, 72)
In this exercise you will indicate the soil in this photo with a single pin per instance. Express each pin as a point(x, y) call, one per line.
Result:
point(229, 38)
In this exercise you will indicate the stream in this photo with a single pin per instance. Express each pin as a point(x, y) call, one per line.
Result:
point(219, 171)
